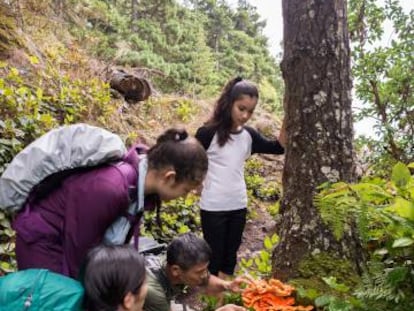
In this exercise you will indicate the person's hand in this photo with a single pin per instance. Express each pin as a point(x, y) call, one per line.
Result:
point(231, 307)
point(234, 285)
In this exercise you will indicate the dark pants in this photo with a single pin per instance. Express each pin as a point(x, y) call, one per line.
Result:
point(223, 232)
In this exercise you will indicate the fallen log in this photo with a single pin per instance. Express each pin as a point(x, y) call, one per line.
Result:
point(131, 87)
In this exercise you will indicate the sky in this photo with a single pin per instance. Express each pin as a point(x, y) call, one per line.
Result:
point(271, 11)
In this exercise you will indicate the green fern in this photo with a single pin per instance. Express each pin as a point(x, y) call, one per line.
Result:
point(384, 286)
point(336, 205)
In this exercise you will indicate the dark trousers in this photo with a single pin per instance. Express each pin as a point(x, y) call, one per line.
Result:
point(223, 232)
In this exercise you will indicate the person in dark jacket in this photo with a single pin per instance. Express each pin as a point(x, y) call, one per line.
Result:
point(57, 231)
point(229, 143)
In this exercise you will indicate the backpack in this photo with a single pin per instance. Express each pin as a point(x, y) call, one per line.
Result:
point(59, 150)
point(39, 290)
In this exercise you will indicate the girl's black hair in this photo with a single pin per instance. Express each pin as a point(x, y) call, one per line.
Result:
point(110, 273)
point(221, 120)
point(186, 155)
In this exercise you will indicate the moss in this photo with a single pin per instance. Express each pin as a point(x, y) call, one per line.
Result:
point(311, 288)
point(315, 267)
point(324, 265)
point(310, 284)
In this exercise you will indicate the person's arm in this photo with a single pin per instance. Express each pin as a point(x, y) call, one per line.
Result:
point(261, 144)
point(205, 135)
point(216, 285)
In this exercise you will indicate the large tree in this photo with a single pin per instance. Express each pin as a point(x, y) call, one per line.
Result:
point(316, 71)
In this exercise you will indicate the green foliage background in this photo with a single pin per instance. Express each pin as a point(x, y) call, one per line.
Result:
point(189, 47)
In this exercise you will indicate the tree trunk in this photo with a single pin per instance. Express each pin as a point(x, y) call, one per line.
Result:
point(316, 71)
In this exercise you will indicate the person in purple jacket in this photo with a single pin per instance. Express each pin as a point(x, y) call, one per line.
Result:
point(56, 231)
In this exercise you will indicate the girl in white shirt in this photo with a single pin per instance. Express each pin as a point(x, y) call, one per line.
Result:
point(229, 143)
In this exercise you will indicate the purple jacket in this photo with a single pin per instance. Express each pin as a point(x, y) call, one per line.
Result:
point(57, 232)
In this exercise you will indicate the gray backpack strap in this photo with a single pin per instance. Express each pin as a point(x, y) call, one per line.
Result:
point(118, 232)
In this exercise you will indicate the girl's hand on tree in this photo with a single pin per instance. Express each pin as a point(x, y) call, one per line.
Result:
point(282, 134)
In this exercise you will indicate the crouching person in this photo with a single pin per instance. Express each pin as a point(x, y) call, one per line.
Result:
point(114, 279)
point(186, 264)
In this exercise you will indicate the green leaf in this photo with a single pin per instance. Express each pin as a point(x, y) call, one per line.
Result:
point(402, 242)
point(331, 281)
point(265, 256)
point(323, 300)
point(339, 305)
point(274, 238)
point(381, 252)
point(33, 60)
point(403, 208)
point(5, 266)
point(267, 243)
point(400, 175)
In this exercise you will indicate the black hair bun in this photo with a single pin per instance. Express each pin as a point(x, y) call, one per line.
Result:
point(181, 135)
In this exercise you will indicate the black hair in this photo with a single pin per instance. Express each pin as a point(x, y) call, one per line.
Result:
point(185, 154)
point(110, 273)
point(188, 250)
point(221, 120)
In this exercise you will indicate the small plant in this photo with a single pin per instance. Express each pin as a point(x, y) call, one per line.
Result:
point(253, 166)
point(7, 256)
point(260, 265)
point(254, 182)
point(177, 216)
point(268, 191)
point(210, 303)
point(185, 110)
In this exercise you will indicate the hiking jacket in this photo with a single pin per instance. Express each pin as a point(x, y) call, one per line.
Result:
point(57, 232)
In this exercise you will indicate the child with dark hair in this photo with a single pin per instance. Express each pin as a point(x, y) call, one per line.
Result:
point(57, 231)
point(229, 143)
point(114, 279)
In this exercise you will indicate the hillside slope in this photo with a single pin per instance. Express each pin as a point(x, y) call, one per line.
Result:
point(48, 78)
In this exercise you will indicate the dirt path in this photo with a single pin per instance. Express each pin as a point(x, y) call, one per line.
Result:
point(254, 233)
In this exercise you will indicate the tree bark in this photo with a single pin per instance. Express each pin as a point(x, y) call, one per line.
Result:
point(316, 71)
